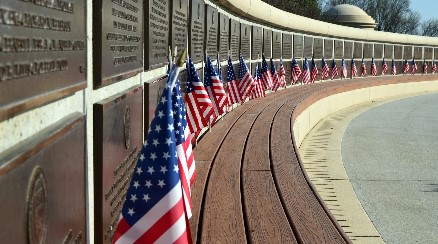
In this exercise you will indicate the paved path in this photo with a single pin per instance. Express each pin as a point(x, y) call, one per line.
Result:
point(390, 154)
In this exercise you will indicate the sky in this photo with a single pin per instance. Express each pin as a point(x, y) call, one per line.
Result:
point(426, 8)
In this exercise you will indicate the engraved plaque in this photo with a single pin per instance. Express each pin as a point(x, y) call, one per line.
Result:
point(418, 52)
point(378, 50)
point(287, 46)
point(276, 45)
point(368, 50)
point(42, 53)
point(235, 39)
point(318, 47)
point(152, 94)
point(348, 49)
point(256, 42)
point(42, 186)
point(196, 43)
point(407, 52)
point(339, 49)
point(245, 41)
point(224, 29)
point(212, 23)
point(267, 43)
point(358, 52)
point(118, 45)
point(157, 32)
point(428, 53)
point(398, 52)
point(117, 141)
point(435, 53)
point(179, 22)
point(298, 46)
point(389, 50)
point(287, 68)
point(328, 48)
point(308, 44)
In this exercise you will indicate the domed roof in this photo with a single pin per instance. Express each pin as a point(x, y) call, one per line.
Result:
point(350, 15)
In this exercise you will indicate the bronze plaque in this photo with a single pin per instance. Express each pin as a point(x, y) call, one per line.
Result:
point(298, 46)
point(245, 41)
point(42, 53)
point(378, 50)
point(428, 53)
point(212, 23)
point(197, 18)
point(418, 52)
point(339, 49)
point(398, 52)
point(407, 52)
point(257, 42)
point(235, 39)
point(224, 29)
point(42, 186)
point(308, 46)
point(152, 94)
point(157, 33)
point(368, 50)
point(348, 49)
point(328, 48)
point(267, 43)
point(287, 46)
point(389, 48)
point(118, 139)
point(318, 44)
point(358, 52)
point(118, 45)
point(276, 45)
point(179, 23)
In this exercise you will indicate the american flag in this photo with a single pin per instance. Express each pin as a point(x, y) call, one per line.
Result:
point(325, 69)
point(295, 72)
point(306, 72)
point(153, 210)
point(363, 68)
point(414, 66)
point(258, 90)
point(433, 67)
point(233, 84)
point(275, 78)
point(314, 71)
point(215, 89)
point(344, 69)
point(373, 68)
point(282, 74)
point(246, 83)
point(334, 69)
point(199, 106)
point(219, 68)
point(406, 70)
point(424, 67)
point(384, 67)
point(393, 69)
point(353, 68)
point(266, 74)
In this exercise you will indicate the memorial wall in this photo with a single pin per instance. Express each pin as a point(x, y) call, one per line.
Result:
point(80, 80)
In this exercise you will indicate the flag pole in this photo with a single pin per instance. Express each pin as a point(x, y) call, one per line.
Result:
point(177, 68)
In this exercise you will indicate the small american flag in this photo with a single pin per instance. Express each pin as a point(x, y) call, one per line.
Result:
point(325, 69)
point(246, 83)
point(393, 69)
point(275, 78)
point(153, 210)
point(433, 67)
point(215, 89)
point(258, 90)
point(314, 71)
point(199, 106)
point(363, 68)
point(335, 71)
point(306, 72)
point(344, 69)
point(424, 67)
point(406, 69)
point(233, 84)
point(282, 74)
point(266, 74)
point(295, 72)
point(373, 68)
point(414, 66)
point(353, 68)
point(384, 67)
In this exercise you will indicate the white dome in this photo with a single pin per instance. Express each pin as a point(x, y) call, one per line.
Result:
point(350, 15)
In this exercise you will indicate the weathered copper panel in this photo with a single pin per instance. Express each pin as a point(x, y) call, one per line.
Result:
point(418, 52)
point(245, 40)
point(42, 186)
point(118, 40)
point(211, 31)
point(152, 94)
point(157, 32)
point(179, 22)
point(358, 52)
point(42, 49)
point(318, 44)
point(196, 31)
point(348, 49)
point(276, 45)
point(389, 48)
point(308, 43)
point(398, 52)
point(234, 39)
point(378, 50)
point(224, 41)
point(407, 52)
point(118, 139)
point(339, 49)
point(328, 48)
point(368, 50)
point(298, 46)
point(428, 52)
point(287, 46)
point(267, 43)
point(257, 41)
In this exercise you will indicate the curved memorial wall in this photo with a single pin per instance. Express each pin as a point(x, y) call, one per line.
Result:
point(80, 80)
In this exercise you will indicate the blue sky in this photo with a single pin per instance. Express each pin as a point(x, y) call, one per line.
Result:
point(427, 8)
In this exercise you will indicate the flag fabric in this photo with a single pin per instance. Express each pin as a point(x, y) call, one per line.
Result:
point(406, 69)
point(266, 74)
point(373, 68)
point(314, 71)
point(306, 72)
point(199, 106)
point(424, 67)
point(334, 69)
point(384, 67)
point(295, 72)
point(325, 69)
point(414, 66)
point(233, 84)
point(258, 90)
point(363, 69)
point(282, 75)
point(275, 78)
point(433, 67)
point(215, 89)
point(344, 69)
point(353, 68)
point(153, 210)
point(393, 69)
point(246, 83)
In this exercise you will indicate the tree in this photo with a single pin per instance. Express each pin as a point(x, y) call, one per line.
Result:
point(306, 8)
point(429, 27)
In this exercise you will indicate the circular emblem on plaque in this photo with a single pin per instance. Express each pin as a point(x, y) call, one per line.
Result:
point(37, 207)
point(127, 127)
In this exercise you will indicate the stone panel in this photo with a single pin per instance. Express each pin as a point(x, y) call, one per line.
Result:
point(157, 28)
point(358, 52)
point(418, 52)
point(152, 94)
point(224, 40)
point(318, 47)
point(211, 31)
point(368, 50)
point(407, 52)
point(196, 31)
point(308, 44)
point(234, 39)
point(328, 48)
point(435, 53)
point(389, 48)
point(245, 41)
point(298, 46)
point(348, 49)
point(276, 45)
point(378, 50)
point(287, 46)
point(428, 52)
point(179, 24)
point(267, 43)
point(398, 52)
point(257, 42)
point(339, 49)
